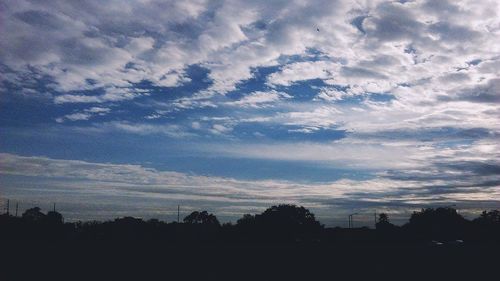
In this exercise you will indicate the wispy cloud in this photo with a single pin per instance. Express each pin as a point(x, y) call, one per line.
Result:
point(259, 99)
point(85, 114)
point(228, 195)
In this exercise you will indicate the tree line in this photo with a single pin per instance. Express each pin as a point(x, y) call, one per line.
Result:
point(278, 224)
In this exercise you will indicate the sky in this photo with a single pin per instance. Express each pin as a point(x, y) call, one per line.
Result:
point(114, 108)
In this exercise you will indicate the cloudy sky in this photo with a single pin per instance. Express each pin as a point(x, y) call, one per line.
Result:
point(112, 108)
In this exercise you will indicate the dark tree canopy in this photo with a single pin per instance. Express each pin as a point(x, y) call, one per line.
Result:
point(201, 218)
point(34, 214)
point(54, 217)
point(384, 223)
point(287, 216)
point(439, 223)
point(246, 220)
point(436, 217)
point(489, 218)
point(129, 221)
point(383, 218)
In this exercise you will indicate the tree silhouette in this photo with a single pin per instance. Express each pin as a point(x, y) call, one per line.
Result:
point(201, 218)
point(246, 220)
point(288, 215)
point(286, 222)
point(440, 223)
point(383, 218)
point(487, 225)
point(384, 223)
point(33, 215)
point(489, 218)
point(54, 217)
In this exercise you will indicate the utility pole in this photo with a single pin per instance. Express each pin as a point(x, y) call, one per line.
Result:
point(375, 219)
point(54, 207)
point(351, 221)
point(178, 213)
point(8, 206)
point(17, 207)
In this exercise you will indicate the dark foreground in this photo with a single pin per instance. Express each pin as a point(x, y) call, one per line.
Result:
point(284, 242)
point(140, 260)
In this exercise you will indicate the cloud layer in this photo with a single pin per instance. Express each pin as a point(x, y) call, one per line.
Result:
point(405, 92)
point(230, 198)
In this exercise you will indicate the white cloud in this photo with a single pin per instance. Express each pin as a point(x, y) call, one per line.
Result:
point(76, 99)
point(220, 129)
point(340, 154)
point(330, 95)
point(259, 99)
point(74, 117)
point(98, 110)
point(308, 116)
point(169, 130)
point(369, 46)
point(86, 114)
point(195, 125)
point(112, 94)
point(301, 71)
